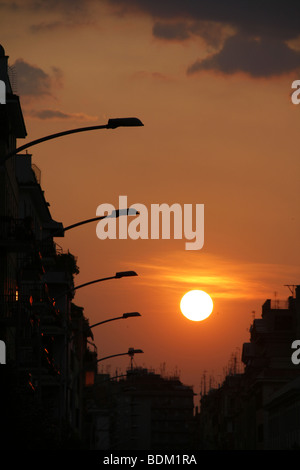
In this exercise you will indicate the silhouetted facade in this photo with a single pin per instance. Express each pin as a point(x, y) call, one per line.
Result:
point(44, 332)
point(259, 409)
point(143, 411)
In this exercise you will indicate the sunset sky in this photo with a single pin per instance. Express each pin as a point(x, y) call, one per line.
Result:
point(211, 81)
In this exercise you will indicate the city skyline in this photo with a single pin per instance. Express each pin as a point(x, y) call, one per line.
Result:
point(222, 137)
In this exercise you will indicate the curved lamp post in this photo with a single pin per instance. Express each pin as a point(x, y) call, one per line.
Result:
point(131, 352)
point(112, 124)
point(115, 214)
point(118, 275)
point(124, 316)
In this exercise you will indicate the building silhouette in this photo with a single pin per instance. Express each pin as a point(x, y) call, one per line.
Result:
point(141, 411)
point(44, 332)
point(259, 409)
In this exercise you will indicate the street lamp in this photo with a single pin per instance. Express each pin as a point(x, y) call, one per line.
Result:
point(114, 214)
point(118, 275)
point(112, 124)
point(131, 352)
point(124, 316)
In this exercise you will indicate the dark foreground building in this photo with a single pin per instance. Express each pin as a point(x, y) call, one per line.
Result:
point(43, 334)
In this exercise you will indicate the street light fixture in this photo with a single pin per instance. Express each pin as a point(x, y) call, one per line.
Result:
point(125, 274)
point(114, 214)
point(131, 352)
point(124, 316)
point(112, 124)
point(118, 275)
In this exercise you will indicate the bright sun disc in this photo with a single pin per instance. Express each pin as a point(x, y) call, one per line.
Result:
point(196, 305)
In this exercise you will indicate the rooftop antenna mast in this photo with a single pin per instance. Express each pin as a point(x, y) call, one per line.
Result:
point(292, 288)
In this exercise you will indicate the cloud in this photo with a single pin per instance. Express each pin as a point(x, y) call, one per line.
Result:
point(32, 81)
point(64, 13)
point(278, 19)
point(263, 57)
point(51, 26)
point(250, 37)
point(211, 32)
point(33, 84)
point(223, 278)
point(66, 7)
point(55, 114)
point(171, 31)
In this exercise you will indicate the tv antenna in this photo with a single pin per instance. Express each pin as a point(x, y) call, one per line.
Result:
point(292, 288)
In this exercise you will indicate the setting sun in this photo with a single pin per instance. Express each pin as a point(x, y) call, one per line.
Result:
point(196, 305)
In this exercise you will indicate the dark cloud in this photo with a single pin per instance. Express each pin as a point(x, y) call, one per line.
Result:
point(279, 18)
point(69, 7)
point(68, 13)
point(212, 33)
point(256, 57)
point(32, 81)
point(258, 31)
point(171, 31)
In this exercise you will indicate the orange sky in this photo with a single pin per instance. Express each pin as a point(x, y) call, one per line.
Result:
point(228, 141)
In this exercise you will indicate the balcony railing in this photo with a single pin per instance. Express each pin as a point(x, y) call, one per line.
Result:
point(279, 304)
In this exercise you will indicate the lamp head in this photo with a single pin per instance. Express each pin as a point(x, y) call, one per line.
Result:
point(124, 122)
point(119, 212)
point(132, 351)
point(125, 274)
point(131, 314)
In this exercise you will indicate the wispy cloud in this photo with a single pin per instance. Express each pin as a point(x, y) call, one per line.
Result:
point(55, 114)
point(226, 279)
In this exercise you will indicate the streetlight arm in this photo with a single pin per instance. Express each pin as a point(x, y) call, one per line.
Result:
point(118, 275)
point(112, 124)
point(130, 352)
point(124, 316)
point(82, 285)
point(50, 137)
point(93, 282)
point(106, 321)
point(113, 355)
point(114, 214)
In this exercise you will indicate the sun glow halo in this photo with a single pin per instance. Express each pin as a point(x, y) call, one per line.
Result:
point(196, 305)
